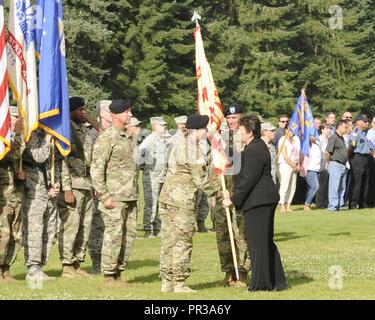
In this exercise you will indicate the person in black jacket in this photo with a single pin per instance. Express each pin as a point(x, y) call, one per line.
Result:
point(256, 194)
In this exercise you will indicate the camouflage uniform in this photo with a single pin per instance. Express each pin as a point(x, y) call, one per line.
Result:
point(186, 175)
point(11, 198)
point(39, 210)
point(238, 223)
point(114, 175)
point(95, 241)
point(76, 220)
point(154, 154)
point(272, 150)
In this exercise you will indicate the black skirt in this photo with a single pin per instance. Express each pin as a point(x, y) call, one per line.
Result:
point(266, 266)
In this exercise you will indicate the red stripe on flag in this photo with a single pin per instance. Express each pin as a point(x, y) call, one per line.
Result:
point(2, 43)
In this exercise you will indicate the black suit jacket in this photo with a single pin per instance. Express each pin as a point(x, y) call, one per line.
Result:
point(253, 186)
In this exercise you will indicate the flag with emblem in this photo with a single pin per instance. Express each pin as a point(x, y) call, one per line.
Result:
point(21, 62)
point(53, 82)
point(209, 103)
point(4, 98)
point(302, 123)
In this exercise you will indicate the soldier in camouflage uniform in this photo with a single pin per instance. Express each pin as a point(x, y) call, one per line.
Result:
point(268, 135)
point(39, 210)
point(11, 197)
point(97, 225)
point(114, 177)
point(186, 175)
point(75, 203)
point(153, 160)
point(234, 147)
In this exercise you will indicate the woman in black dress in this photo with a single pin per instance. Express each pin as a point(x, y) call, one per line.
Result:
point(256, 194)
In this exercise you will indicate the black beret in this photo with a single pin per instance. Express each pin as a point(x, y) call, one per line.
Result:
point(197, 121)
point(76, 102)
point(234, 109)
point(120, 105)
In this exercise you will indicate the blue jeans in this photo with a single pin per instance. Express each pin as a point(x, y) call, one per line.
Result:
point(337, 185)
point(312, 186)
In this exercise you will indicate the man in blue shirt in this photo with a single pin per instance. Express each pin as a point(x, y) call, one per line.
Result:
point(361, 151)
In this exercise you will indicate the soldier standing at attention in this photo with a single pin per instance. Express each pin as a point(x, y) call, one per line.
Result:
point(40, 208)
point(153, 153)
point(186, 175)
point(97, 225)
point(114, 177)
point(234, 148)
point(75, 203)
point(181, 129)
point(360, 151)
point(11, 198)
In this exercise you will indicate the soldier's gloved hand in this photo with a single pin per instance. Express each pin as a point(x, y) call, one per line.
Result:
point(109, 204)
point(69, 197)
point(21, 175)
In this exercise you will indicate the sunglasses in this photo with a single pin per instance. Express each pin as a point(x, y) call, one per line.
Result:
point(284, 121)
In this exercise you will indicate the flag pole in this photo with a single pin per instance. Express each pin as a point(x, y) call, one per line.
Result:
point(53, 163)
point(230, 228)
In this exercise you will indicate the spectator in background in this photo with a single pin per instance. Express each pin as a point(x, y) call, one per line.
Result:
point(280, 131)
point(361, 151)
point(337, 156)
point(371, 138)
point(317, 122)
point(321, 197)
point(289, 165)
point(347, 116)
point(330, 121)
point(268, 134)
point(312, 176)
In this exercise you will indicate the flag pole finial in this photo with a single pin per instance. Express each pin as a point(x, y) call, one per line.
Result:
point(196, 17)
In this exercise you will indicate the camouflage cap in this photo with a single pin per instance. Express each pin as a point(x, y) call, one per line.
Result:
point(157, 120)
point(134, 122)
point(13, 110)
point(181, 120)
point(103, 105)
point(268, 126)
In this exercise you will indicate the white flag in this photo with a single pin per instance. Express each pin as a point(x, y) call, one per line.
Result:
point(22, 62)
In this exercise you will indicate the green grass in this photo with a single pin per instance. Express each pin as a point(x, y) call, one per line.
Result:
point(309, 244)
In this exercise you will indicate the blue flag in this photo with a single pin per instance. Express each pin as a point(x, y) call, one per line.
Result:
point(54, 113)
point(302, 123)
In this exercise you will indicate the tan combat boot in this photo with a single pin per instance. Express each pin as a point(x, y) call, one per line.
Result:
point(70, 272)
point(167, 286)
point(228, 280)
point(80, 271)
point(6, 274)
point(181, 287)
point(110, 281)
point(242, 281)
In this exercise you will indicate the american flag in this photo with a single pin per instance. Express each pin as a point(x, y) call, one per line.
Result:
point(4, 98)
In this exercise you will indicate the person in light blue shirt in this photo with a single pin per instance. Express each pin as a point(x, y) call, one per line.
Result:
point(360, 155)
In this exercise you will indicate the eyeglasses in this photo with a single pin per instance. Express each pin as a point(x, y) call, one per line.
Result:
point(284, 121)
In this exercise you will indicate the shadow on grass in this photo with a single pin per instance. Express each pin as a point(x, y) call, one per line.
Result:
point(52, 273)
point(153, 277)
point(296, 278)
point(339, 234)
point(285, 236)
point(207, 285)
point(136, 264)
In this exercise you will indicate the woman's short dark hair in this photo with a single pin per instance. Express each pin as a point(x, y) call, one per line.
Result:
point(252, 124)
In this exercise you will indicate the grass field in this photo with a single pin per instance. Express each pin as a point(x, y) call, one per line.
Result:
point(309, 244)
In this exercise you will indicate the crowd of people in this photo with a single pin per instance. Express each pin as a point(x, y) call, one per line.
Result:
point(338, 172)
point(90, 199)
